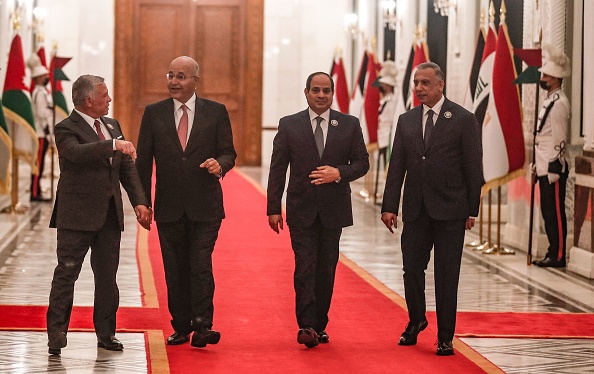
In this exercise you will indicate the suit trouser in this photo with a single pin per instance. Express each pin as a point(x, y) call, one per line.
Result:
point(41, 151)
point(552, 205)
point(316, 257)
point(418, 238)
point(186, 247)
point(72, 248)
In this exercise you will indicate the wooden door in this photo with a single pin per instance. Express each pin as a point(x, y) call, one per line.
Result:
point(216, 33)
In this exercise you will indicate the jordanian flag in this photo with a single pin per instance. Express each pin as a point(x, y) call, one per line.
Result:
point(56, 78)
point(5, 154)
point(17, 106)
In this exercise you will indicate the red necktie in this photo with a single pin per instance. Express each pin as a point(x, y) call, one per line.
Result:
point(99, 132)
point(182, 128)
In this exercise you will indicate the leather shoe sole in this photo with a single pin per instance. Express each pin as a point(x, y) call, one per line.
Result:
point(307, 337)
point(111, 344)
point(409, 336)
point(54, 351)
point(201, 338)
point(323, 337)
point(549, 263)
point(178, 338)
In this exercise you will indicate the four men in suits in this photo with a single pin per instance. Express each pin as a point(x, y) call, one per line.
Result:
point(437, 148)
point(88, 211)
point(191, 143)
point(325, 151)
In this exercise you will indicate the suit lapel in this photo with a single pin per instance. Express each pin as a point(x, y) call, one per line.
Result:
point(307, 134)
point(169, 120)
point(440, 124)
point(332, 135)
point(197, 126)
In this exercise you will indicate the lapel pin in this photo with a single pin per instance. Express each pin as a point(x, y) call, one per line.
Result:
point(334, 122)
point(109, 126)
point(447, 114)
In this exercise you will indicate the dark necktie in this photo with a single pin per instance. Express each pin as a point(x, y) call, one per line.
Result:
point(428, 126)
point(182, 128)
point(319, 135)
point(98, 129)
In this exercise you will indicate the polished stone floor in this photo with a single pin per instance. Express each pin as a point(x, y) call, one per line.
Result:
point(496, 283)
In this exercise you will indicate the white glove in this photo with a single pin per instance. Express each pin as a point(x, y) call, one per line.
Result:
point(552, 177)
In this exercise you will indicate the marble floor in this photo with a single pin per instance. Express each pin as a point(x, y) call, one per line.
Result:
point(489, 283)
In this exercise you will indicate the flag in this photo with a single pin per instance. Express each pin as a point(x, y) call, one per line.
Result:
point(474, 71)
point(421, 55)
point(356, 105)
point(341, 89)
point(56, 76)
point(5, 154)
point(371, 100)
point(41, 54)
point(407, 75)
point(17, 106)
point(503, 135)
point(483, 84)
point(532, 58)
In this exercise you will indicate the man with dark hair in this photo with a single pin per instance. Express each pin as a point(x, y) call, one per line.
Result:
point(438, 149)
point(325, 151)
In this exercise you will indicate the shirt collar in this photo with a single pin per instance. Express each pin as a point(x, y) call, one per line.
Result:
point(88, 119)
point(436, 108)
point(325, 115)
point(191, 103)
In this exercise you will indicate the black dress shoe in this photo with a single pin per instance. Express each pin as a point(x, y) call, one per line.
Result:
point(178, 338)
point(41, 199)
point(550, 263)
point(110, 343)
point(445, 348)
point(56, 342)
point(203, 336)
point(323, 337)
point(307, 336)
point(412, 330)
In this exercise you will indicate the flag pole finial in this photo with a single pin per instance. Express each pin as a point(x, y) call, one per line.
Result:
point(491, 12)
point(502, 12)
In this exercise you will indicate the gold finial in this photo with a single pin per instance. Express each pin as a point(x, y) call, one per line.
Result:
point(491, 12)
point(15, 16)
point(483, 17)
point(389, 55)
point(55, 47)
point(502, 12)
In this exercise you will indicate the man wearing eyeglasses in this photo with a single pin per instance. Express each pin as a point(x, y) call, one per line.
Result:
point(190, 140)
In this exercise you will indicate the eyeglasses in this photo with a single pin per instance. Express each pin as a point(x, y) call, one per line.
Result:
point(179, 77)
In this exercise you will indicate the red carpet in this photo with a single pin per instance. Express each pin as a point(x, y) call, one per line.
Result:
point(254, 311)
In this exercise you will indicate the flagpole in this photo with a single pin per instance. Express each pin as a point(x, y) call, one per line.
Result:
point(532, 178)
point(15, 207)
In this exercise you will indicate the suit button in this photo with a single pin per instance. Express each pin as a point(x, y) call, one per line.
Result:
point(423, 157)
point(183, 159)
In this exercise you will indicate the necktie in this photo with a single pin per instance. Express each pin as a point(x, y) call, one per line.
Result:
point(98, 129)
point(319, 135)
point(182, 128)
point(428, 126)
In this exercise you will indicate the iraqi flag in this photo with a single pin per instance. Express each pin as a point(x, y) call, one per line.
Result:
point(474, 71)
point(17, 106)
point(5, 154)
point(356, 105)
point(341, 89)
point(503, 135)
point(483, 83)
point(371, 100)
point(56, 78)
point(420, 56)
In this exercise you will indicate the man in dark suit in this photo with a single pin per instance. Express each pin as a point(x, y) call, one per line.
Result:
point(438, 149)
point(88, 212)
point(325, 151)
point(191, 142)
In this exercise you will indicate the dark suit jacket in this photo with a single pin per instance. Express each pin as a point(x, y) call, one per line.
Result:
point(446, 177)
point(181, 184)
point(87, 178)
point(295, 144)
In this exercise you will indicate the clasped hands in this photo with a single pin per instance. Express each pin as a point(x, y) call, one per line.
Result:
point(144, 216)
